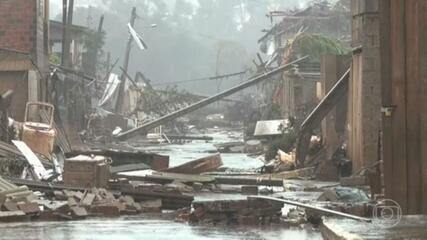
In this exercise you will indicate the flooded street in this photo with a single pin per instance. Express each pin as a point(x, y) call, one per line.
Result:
point(141, 228)
point(181, 153)
point(149, 227)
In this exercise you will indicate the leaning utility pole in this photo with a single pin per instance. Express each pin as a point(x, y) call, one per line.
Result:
point(143, 129)
point(66, 41)
point(119, 103)
point(64, 27)
point(92, 64)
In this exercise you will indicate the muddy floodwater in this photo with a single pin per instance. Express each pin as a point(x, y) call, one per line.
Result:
point(140, 228)
point(181, 153)
point(149, 227)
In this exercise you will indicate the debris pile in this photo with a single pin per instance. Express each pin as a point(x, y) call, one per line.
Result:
point(234, 212)
point(16, 203)
point(95, 202)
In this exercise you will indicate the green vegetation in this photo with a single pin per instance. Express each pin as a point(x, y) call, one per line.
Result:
point(314, 45)
point(55, 59)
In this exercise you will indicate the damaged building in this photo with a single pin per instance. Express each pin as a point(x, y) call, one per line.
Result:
point(24, 44)
point(330, 146)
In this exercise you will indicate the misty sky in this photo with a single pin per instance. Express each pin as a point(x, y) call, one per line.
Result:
point(193, 39)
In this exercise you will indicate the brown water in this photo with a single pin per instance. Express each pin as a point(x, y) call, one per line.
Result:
point(140, 228)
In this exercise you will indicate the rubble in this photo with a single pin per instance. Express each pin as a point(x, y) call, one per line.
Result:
point(122, 156)
point(234, 212)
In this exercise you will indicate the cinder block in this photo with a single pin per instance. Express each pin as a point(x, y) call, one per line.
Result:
point(29, 208)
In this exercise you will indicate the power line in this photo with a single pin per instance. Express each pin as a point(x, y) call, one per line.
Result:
point(202, 79)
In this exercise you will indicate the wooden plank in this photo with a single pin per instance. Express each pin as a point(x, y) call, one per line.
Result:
point(355, 112)
point(314, 208)
point(412, 106)
point(332, 98)
point(386, 92)
point(250, 180)
point(129, 168)
point(399, 171)
point(205, 164)
point(161, 177)
point(422, 30)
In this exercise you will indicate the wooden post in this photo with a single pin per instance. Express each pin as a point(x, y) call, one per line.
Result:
point(119, 103)
point(93, 57)
point(404, 84)
point(333, 126)
point(64, 24)
point(66, 41)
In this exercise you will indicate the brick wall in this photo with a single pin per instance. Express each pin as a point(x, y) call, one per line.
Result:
point(18, 25)
point(23, 27)
point(364, 114)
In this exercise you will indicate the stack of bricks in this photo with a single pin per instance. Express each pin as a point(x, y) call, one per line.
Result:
point(236, 212)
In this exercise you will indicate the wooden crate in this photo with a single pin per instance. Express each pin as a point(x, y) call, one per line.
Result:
point(86, 171)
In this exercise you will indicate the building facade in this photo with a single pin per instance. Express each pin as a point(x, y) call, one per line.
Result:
point(24, 50)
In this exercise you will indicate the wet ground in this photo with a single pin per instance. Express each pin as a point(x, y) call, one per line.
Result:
point(181, 153)
point(408, 227)
point(140, 228)
point(144, 227)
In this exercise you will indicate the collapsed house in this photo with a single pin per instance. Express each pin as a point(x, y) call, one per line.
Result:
point(300, 32)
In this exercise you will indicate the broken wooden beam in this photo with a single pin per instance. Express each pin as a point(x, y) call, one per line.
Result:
point(205, 164)
point(43, 186)
point(314, 208)
point(164, 177)
point(314, 119)
point(186, 137)
point(249, 180)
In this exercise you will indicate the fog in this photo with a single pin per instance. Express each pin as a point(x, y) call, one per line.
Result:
point(193, 38)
